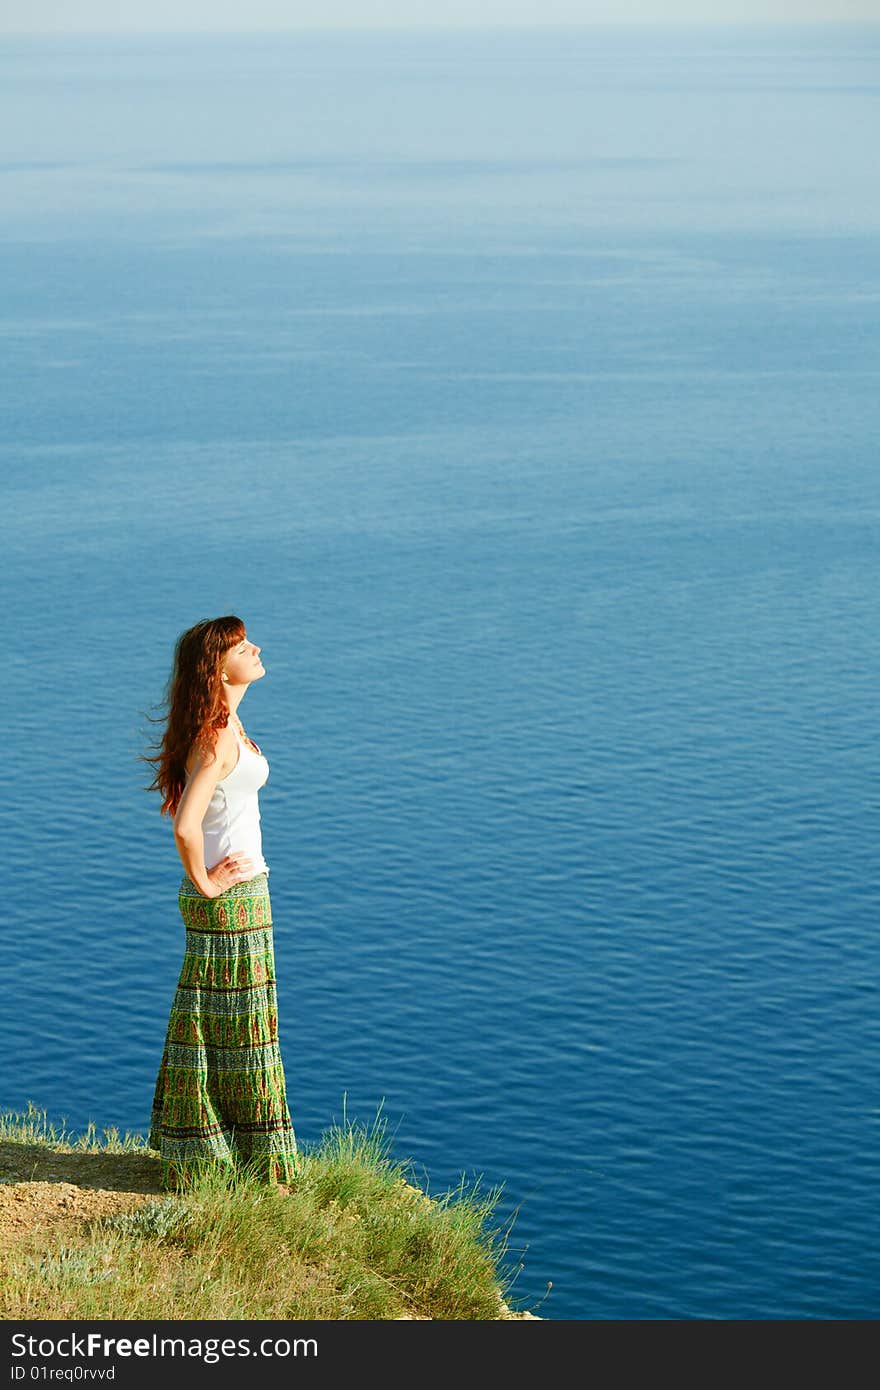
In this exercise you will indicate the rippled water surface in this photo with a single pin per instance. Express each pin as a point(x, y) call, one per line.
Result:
point(521, 392)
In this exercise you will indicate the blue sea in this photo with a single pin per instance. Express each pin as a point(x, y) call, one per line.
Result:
point(520, 391)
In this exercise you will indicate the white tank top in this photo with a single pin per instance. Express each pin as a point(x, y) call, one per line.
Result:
point(232, 820)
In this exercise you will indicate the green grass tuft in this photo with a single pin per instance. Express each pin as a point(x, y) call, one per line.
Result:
point(32, 1127)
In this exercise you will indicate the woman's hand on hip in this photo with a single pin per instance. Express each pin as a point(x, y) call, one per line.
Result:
point(235, 868)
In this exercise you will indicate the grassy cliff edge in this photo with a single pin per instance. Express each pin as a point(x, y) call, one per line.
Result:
point(86, 1232)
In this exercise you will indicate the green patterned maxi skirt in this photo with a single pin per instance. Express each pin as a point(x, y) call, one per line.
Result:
point(220, 1094)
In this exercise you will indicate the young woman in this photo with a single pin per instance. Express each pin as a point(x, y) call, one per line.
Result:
point(220, 1094)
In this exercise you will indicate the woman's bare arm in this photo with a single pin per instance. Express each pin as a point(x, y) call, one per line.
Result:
point(188, 837)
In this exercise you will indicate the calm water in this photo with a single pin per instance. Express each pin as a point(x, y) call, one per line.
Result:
point(521, 392)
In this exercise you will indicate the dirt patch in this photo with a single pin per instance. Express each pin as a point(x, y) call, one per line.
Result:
point(128, 1172)
point(46, 1189)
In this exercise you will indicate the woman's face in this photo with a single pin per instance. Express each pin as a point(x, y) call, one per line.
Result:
point(242, 663)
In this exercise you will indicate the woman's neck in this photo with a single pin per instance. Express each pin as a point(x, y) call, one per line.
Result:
point(234, 696)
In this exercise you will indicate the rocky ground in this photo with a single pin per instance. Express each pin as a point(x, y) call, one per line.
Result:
point(43, 1190)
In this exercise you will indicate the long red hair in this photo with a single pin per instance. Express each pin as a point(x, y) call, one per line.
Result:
point(196, 708)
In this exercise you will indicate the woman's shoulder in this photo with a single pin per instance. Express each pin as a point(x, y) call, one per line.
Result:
point(223, 750)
